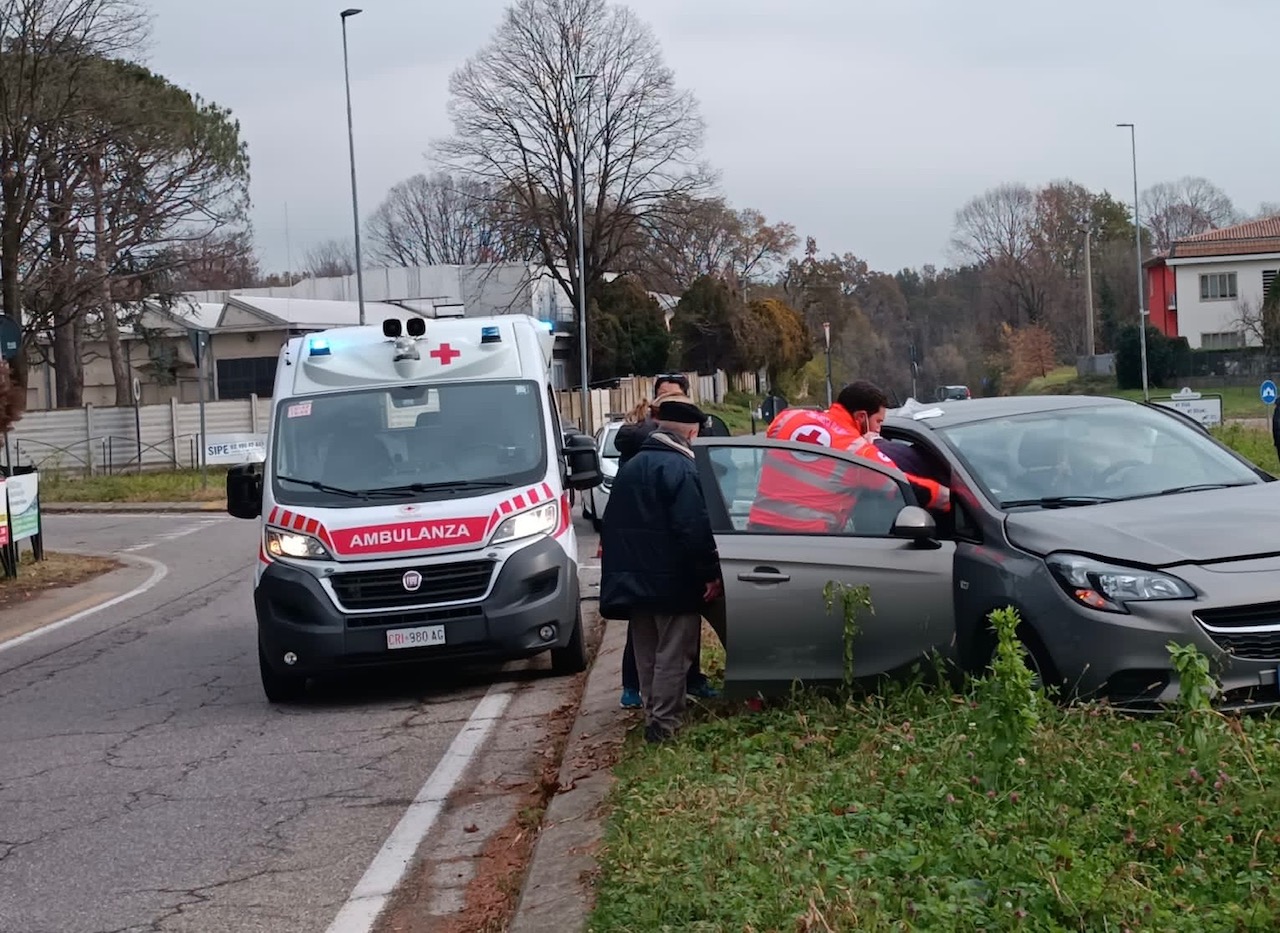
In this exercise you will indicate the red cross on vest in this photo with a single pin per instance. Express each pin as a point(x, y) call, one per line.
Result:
point(812, 436)
point(445, 354)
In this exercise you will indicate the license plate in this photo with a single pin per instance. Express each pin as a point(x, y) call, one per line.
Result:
point(421, 637)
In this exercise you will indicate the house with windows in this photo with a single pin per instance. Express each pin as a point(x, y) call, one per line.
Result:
point(1210, 287)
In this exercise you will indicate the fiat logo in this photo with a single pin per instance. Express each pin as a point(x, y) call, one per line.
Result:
point(411, 580)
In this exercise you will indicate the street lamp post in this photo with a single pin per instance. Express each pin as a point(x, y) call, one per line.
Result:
point(580, 195)
point(351, 145)
point(1137, 249)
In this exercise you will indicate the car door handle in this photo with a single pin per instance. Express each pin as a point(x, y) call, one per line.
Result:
point(765, 575)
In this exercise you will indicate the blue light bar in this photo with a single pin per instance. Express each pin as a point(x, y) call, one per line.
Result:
point(545, 325)
point(490, 334)
point(319, 347)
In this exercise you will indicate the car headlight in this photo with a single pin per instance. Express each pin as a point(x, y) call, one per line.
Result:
point(539, 521)
point(281, 543)
point(1109, 587)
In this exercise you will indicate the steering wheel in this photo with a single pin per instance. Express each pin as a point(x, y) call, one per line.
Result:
point(1111, 473)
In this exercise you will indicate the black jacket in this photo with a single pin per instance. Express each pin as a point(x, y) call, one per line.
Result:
point(631, 437)
point(658, 550)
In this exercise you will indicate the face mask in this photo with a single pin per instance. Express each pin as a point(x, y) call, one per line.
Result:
point(872, 436)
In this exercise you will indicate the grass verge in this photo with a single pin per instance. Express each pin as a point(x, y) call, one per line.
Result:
point(56, 570)
point(167, 486)
point(922, 809)
point(1237, 401)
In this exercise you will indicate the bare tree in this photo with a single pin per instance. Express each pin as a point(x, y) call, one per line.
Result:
point(46, 45)
point(998, 231)
point(440, 219)
point(705, 236)
point(329, 259)
point(514, 107)
point(1176, 209)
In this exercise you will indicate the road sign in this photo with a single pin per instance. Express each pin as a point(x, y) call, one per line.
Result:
point(10, 337)
point(1207, 409)
point(1268, 392)
point(137, 391)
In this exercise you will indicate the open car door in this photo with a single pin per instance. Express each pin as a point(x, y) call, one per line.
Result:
point(778, 629)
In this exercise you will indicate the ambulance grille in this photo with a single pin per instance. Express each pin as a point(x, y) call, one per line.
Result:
point(440, 583)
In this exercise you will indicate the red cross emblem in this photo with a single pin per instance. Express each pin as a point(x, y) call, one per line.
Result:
point(812, 436)
point(445, 354)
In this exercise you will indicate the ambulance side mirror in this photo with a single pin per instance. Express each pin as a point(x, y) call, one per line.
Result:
point(583, 460)
point(244, 490)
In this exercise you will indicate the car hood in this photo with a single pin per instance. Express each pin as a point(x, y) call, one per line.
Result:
point(1193, 527)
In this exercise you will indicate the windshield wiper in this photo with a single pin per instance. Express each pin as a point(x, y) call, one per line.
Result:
point(431, 487)
point(1196, 487)
point(323, 487)
point(1057, 502)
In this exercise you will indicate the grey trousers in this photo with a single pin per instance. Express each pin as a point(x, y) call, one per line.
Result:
point(665, 646)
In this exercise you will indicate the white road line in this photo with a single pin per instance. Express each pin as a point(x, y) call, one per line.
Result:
point(380, 879)
point(168, 536)
point(158, 573)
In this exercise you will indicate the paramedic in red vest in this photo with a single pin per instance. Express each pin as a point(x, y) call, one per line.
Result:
point(785, 500)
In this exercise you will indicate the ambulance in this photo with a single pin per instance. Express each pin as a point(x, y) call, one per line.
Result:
point(414, 501)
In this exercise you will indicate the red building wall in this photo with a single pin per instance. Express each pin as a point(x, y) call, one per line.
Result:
point(1161, 295)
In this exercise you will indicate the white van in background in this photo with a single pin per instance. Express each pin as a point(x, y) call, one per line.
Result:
point(414, 501)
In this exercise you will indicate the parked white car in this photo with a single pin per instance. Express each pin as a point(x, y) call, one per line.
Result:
point(595, 501)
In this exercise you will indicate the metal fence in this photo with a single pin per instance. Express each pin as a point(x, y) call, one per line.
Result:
point(92, 440)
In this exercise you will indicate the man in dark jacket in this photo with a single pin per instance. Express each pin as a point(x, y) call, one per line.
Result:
point(660, 567)
point(628, 440)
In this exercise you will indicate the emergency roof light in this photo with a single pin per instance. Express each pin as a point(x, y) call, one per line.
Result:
point(319, 346)
point(391, 328)
point(490, 334)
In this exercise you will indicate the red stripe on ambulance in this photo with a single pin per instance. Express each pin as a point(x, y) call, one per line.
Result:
point(409, 536)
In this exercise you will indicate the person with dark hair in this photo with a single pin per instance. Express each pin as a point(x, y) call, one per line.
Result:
point(795, 492)
point(629, 439)
point(660, 568)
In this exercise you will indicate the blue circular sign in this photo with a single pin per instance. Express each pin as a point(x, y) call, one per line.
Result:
point(10, 337)
point(1268, 392)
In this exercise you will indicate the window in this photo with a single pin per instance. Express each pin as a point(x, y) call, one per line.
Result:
point(241, 378)
point(822, 494)
point(414, 443)
point(1225, 340)
point(1108, 452)
point(1218, 286)
point(1268, 281)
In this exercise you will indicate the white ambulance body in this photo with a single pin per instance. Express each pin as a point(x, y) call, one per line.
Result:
point(414, 501)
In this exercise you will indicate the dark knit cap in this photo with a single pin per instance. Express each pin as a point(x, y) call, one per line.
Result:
point(679, 410)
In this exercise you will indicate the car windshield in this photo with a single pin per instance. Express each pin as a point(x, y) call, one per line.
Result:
point(408, 443)
point(1082, 456)
point(610, 448)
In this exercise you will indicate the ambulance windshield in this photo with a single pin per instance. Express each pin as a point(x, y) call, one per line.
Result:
point(408, 443)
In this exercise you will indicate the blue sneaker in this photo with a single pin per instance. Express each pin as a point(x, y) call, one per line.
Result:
point(631, 699)
point(703, 691)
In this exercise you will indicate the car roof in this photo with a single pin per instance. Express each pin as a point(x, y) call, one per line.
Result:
point(966, 411)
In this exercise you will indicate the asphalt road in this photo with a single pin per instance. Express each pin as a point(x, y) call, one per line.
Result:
point(145, 783)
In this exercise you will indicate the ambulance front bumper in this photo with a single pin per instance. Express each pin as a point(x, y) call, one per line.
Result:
point(535, 587)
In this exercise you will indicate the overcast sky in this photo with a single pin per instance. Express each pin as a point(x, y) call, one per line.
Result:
point(866, 123)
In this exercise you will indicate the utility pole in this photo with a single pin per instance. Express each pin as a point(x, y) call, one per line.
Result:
point(580, 194)
point(1137, 249)
point(351, 145)
point(1088, 292)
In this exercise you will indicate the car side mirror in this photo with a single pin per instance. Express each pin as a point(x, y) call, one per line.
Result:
point(915, 524)
point(583, 461)
point(244, 490)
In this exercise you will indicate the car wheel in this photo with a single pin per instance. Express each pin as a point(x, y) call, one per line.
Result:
point(280, 688)
point(1039, 661)
point(572, 658)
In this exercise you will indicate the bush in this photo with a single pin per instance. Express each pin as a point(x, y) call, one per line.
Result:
point(1167, 358)
point(13, 398)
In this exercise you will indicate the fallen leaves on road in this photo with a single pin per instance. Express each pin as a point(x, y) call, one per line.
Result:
point(54, 572)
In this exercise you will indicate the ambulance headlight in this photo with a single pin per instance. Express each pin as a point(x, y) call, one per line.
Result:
point(291, 544)
point(539, 521)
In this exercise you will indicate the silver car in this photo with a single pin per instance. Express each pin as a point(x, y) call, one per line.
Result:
point(1113, 527)
point(595, 501)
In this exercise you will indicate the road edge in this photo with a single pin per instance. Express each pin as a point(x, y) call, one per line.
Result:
point(558, 895)
point(131, 561)
point(142, 508)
